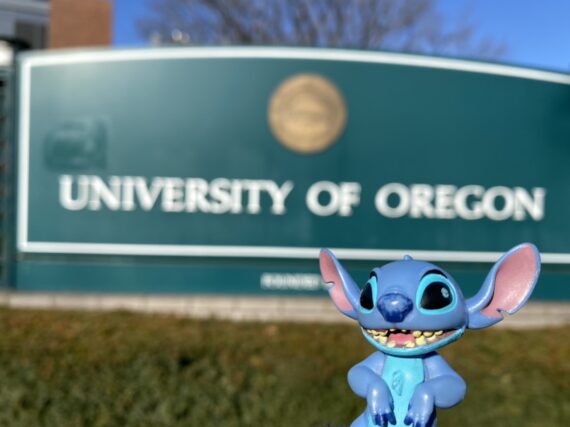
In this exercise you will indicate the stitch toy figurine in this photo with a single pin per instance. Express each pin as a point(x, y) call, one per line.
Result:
point(407, 310)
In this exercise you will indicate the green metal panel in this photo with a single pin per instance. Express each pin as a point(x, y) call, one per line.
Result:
point(479, 150)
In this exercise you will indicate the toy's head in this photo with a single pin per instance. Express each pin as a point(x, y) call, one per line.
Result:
point(409, 308)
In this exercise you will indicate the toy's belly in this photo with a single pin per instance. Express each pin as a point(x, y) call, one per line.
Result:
point(402, 374)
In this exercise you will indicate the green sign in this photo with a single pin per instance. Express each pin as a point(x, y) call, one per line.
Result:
point(250, 160)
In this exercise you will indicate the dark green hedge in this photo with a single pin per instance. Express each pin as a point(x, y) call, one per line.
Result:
point(93, 369)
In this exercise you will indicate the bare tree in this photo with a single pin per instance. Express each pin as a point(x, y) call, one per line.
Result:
point(397, 25)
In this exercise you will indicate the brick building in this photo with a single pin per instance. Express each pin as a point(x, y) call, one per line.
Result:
point(57, 23)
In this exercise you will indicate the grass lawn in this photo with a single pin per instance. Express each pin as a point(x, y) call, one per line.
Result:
point(98, 369)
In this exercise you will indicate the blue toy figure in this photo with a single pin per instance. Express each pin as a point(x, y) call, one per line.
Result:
point(407, 310)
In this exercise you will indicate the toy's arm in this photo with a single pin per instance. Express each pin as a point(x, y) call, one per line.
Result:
point(448, 387)
point(366, 381)
point(369, 370)
point(443, 388)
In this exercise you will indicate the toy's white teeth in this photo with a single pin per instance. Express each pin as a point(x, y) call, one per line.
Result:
point(416, 338)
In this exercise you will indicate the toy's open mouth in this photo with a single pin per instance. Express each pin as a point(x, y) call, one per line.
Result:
point(404, 338)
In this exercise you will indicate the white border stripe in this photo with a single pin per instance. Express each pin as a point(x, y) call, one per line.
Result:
point(91, 56)
point(43, 59)
point(273, 252)
point(23, 155)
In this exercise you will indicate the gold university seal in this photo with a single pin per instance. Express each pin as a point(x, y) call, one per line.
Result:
point(307, 113)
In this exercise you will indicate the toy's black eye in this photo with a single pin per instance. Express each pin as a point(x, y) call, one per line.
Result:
point(367, 297)
point(436, 295)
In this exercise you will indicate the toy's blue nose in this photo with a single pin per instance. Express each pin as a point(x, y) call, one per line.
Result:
point(394, 307)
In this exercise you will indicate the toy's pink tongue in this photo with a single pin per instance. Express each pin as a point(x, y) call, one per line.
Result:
point(401, 338)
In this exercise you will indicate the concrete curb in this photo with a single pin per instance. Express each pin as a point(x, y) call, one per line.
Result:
point(296, 309)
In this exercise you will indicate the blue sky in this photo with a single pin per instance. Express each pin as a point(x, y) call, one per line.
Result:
point(537, 33)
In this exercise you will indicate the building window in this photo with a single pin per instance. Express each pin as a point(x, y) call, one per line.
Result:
point(35, 34)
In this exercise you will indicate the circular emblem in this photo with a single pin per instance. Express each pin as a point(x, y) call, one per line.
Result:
point(307, 113)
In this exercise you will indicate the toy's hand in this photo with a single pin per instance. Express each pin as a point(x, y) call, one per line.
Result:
point(380, 406)
point(421, 412)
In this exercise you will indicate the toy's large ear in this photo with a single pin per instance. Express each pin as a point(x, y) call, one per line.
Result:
point(506, 288)
point(342, 289)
